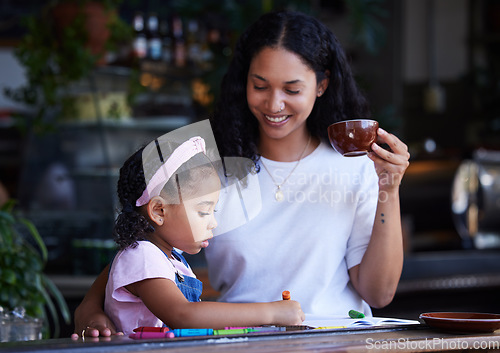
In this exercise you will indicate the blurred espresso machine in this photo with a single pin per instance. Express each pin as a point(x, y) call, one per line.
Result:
point(476, 200)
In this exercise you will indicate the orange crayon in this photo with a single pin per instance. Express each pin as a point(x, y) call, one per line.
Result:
point(286, 295)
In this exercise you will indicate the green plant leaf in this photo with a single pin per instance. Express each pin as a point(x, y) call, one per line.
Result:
point(8, 206)
point(35, 263)
point(54, 291)
point(22, 281)
point(6, 217)
point(6, 240)
point(19, 262)
point(36, 236)
point(53, 312)
point(8, 276)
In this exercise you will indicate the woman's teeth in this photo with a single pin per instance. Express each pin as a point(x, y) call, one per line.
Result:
point(276, 120)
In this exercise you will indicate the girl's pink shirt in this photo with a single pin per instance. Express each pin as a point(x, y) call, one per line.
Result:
point(133, 265)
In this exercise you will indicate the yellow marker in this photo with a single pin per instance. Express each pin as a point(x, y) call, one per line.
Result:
point(286, 295)
point(329, 327)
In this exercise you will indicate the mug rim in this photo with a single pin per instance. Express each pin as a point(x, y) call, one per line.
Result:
point(345, 121)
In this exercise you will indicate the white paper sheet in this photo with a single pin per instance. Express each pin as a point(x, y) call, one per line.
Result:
point(341, 322)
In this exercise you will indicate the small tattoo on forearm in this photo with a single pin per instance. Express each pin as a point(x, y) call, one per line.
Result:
point(382, 220)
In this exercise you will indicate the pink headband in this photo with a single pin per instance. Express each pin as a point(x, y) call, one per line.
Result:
point(180, 156)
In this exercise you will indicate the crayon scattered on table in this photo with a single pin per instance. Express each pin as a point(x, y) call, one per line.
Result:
point(191, 332)
point(149, 335)
point(236, 331)
point(356, 314)
point(152, 329)
point(258, 328)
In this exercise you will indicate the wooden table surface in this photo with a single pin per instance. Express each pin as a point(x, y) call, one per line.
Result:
point(415, 338)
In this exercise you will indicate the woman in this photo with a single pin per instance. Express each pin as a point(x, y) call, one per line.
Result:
point(329, 229)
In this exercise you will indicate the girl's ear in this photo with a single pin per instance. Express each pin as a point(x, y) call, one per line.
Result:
point(156, 210)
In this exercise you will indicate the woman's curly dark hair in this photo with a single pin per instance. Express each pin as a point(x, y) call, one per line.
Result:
point(130, 225)
point(236, 129)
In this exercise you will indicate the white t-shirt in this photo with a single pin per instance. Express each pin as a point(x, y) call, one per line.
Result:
point(304, 244)
point(132, 265)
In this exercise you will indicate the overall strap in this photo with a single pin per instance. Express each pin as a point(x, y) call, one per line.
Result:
point(179, 257)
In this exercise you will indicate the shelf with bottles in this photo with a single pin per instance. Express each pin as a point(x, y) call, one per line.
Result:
point(168, 45)
point(168, 68)
point(178, 53)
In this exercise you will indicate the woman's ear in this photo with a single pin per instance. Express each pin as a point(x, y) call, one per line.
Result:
point(323, 84)
point(156, 210)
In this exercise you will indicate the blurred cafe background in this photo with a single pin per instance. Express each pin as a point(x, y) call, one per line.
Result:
point(71, 112)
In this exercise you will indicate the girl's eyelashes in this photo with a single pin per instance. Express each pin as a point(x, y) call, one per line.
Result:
point(203, 214)
point(293, 92)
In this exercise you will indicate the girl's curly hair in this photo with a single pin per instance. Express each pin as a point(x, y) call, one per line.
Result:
point(236, 129)
point(132, 226)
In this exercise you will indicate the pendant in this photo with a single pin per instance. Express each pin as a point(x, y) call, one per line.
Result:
point(278, 195)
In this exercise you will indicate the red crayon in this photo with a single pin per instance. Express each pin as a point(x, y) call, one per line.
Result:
point(148, 335)
point(151, 329)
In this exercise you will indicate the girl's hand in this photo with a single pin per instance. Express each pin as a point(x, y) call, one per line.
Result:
point(287, 312)
point(389, 165)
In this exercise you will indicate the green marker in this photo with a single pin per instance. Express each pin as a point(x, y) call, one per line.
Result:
point(231, 332)
point(356, 314)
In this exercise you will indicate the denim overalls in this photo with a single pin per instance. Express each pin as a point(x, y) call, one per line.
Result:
point(189, 286)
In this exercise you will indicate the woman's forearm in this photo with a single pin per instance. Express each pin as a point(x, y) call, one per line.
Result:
point(376, 277)
point(89, 315)
point(96, 293)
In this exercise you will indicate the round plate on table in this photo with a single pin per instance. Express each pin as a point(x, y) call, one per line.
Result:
point(462, 322)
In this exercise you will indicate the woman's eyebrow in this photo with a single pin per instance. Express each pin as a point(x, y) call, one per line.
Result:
point(287, 82)
point(259, 77)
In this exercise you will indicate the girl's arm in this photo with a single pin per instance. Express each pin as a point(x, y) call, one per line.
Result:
point(89, 315)
point(166, 301)
point(376, 277)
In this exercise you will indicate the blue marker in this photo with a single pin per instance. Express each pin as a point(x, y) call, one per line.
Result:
point(190, 332)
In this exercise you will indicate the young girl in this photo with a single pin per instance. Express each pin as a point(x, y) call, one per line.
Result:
point(150, 284)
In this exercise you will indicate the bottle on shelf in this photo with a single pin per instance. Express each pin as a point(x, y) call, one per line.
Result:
point(154, 46)
point(193, 43)
point(179, 42)
point(166, 41)
point(140, 44)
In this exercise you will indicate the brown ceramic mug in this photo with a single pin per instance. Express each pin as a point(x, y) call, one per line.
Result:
point(353, 138)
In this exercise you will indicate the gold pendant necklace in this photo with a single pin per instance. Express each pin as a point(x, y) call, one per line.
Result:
point(278, 194)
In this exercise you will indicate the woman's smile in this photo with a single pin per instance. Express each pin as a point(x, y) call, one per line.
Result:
point(277, 119)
